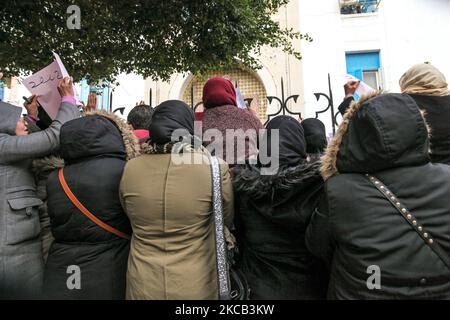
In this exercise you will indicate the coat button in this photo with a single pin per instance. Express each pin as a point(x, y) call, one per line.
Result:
point(423, 281)
point(29, 211)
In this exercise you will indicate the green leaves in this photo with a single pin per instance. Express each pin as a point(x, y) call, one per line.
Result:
point(153, 38)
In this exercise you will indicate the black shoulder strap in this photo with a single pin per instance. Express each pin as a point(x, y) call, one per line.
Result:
point(413, 222)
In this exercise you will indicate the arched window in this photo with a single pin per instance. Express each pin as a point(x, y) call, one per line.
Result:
point(247, 81)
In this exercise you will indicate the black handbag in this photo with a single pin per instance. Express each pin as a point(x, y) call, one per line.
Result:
point(232, 283)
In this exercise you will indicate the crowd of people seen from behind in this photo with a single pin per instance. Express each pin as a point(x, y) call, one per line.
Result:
point(96, 207)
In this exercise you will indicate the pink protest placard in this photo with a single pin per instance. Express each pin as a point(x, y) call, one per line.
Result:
point(44, 84)
point(66, 74)
point(60, 65)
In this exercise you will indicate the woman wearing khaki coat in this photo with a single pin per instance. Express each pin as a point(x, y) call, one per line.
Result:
point(168, 198)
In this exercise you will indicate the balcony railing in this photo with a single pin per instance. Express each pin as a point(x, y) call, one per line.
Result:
point(359, 6)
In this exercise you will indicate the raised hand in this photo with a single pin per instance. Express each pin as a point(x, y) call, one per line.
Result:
point(350, 87)
point(91, 103)
point(32, 106)
point(65, 87)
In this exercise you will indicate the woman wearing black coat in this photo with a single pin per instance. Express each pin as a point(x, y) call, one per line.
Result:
point(376, 251)
point(95, 149)
point(272, 213)
point(429, 88)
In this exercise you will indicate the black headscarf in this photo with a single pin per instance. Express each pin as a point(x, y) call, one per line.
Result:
point(292, 144)
point(168, 117)
point(315, 135)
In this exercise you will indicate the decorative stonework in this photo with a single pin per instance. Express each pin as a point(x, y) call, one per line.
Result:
point(248, 82)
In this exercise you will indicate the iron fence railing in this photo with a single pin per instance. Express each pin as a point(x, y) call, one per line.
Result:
point(282, 102)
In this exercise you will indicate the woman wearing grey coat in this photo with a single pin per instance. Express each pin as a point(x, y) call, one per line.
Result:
point(21, 264)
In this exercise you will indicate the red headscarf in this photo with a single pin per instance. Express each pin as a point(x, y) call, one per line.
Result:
point(217, 92)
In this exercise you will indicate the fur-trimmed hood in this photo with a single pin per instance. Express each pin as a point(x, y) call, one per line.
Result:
point(287, 198)
point(130, 141)
point(43, 166)
point(249, 180)
point(379, 132)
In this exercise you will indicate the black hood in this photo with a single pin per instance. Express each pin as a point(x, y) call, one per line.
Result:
point(378, 133)
point(91, 136)
point(169, 116)
point(288, 132)
point(315, 135)
point(275, 196)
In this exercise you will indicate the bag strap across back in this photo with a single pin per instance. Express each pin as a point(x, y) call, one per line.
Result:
point(221, 246)
point(413, 222)
point(85, 211)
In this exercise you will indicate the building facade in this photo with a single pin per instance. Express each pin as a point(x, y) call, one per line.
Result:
point(377, 47)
